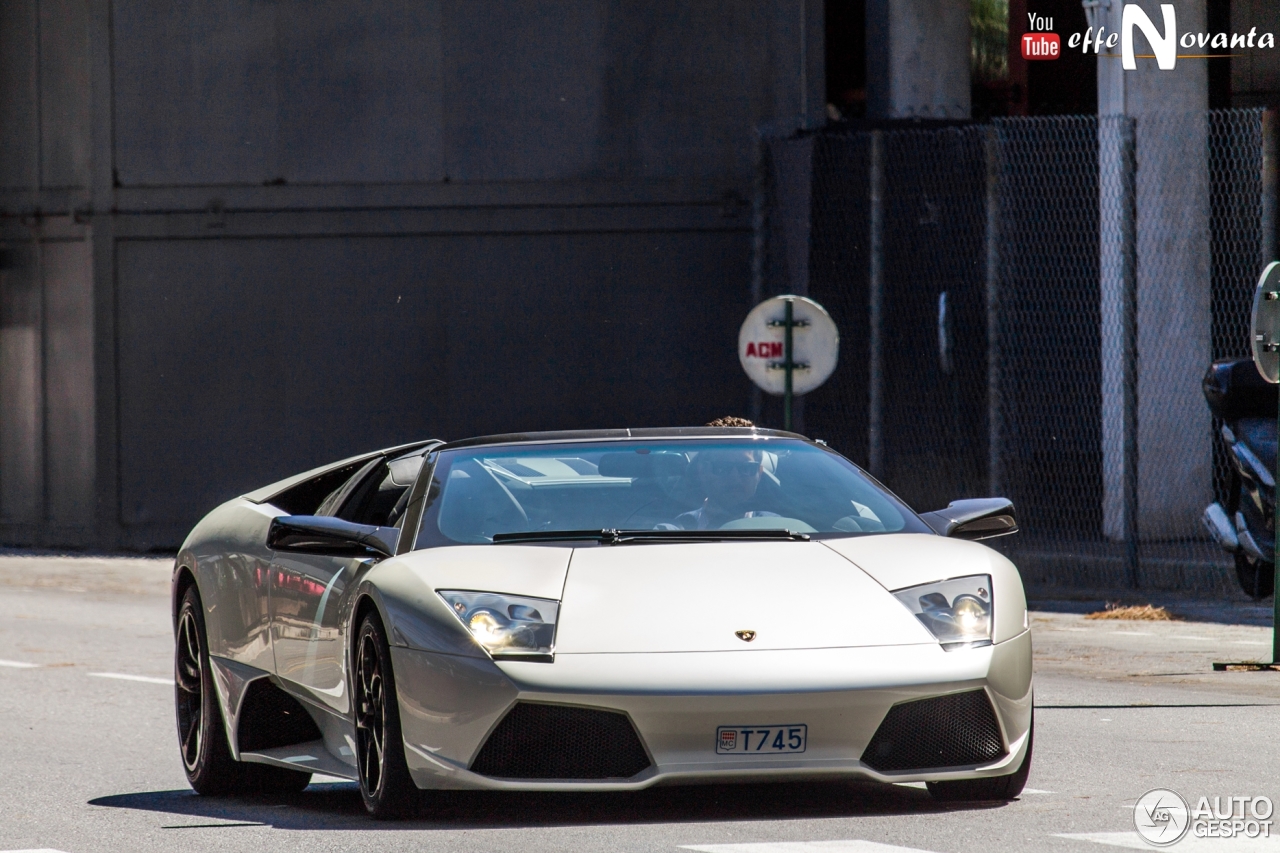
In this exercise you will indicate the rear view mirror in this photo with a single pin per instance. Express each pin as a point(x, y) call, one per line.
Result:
point(322, 534)
point(974, 518)
point(642, 465)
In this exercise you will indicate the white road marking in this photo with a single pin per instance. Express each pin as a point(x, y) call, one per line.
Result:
point(1133, 841)
point(851, 846)
point(17, 664)
point(1133, 633)
point(123, 677)
point(1036, 791)
point(1188, 637)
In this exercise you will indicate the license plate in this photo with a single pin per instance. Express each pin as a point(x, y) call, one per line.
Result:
point(761, 740)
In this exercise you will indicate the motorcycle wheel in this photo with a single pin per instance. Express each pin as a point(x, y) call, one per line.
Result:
point(1257, 578)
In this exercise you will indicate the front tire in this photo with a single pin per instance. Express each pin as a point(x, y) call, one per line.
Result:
point(385, 783)
point(991, 788)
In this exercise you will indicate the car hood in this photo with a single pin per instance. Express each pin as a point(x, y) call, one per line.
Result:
point(694, 597)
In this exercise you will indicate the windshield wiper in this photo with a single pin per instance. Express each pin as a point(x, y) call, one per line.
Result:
point(621, 537)
point(553, 536)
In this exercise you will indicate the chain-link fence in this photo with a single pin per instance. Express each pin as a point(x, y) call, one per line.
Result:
point(1042, 297)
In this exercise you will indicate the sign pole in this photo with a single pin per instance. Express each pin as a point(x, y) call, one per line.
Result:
point(788, 364)
point(1270, 202)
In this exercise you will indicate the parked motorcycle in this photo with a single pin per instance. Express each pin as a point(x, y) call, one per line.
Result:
point(1245, 526)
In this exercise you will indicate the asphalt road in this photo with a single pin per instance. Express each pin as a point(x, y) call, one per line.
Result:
point(88, 757)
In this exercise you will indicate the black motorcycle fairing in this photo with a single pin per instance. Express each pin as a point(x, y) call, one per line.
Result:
point(1246, 404)
point(1234, 389)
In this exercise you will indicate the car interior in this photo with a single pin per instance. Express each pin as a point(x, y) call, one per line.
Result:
point(644, 490)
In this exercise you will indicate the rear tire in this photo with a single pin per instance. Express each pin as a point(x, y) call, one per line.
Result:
point(1257, 577)
point(202, 735)
point(385, 784)
point(991, 788)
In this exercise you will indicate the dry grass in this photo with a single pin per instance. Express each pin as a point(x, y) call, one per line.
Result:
point(1144, 613)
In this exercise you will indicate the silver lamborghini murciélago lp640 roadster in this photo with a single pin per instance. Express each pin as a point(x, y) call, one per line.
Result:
point(599, 611)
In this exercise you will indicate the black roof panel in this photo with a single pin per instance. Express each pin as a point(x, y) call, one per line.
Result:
point(618, 434)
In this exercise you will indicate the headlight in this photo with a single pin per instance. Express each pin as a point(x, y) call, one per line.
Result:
point(957, 611)
point(508, 626)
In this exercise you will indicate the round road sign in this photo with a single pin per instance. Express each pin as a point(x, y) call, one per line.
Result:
point(1264, 327)
point(815, 345)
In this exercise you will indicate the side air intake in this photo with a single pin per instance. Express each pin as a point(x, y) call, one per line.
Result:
point(536, 741)
point(944, 731)
point(269, 717)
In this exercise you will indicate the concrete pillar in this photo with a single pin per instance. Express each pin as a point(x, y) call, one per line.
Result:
point(21, 386)
point(918, 59)
point(1173, 309)
point(47, 423)
point(69, 428)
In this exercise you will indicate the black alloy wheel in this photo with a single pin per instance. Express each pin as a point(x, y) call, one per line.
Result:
point(189, 696)
point(202, 738)
point(385, 783)
point(993, 787)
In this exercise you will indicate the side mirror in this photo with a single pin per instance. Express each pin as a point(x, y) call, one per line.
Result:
point(322, 534)
point(975, 518)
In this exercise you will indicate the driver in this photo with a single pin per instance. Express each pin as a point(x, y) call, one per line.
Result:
point(728, 479)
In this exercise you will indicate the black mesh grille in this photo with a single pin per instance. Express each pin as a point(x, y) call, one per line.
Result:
point(559, 742)
point(945, 731)
point(269, 717)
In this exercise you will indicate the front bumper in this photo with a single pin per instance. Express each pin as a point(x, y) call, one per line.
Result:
point(449, 705)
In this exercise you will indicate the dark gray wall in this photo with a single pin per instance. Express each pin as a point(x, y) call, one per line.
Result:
point(243, 237)
point(375, 341)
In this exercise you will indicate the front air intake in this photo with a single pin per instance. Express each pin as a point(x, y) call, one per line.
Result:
point(536, 741)
point(944, 731)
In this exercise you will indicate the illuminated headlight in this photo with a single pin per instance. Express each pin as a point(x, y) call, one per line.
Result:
point(956, 611)
point(507, 625)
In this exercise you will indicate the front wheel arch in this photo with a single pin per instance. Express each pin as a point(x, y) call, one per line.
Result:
point(365, 604)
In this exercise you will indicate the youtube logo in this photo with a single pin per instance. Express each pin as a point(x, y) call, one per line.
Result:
point(1041, 46)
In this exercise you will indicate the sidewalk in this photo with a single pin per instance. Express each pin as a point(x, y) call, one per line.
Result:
point(1189, 607)
point(113, 574)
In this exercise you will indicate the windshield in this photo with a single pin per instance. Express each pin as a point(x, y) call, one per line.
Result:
point(654, 485)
